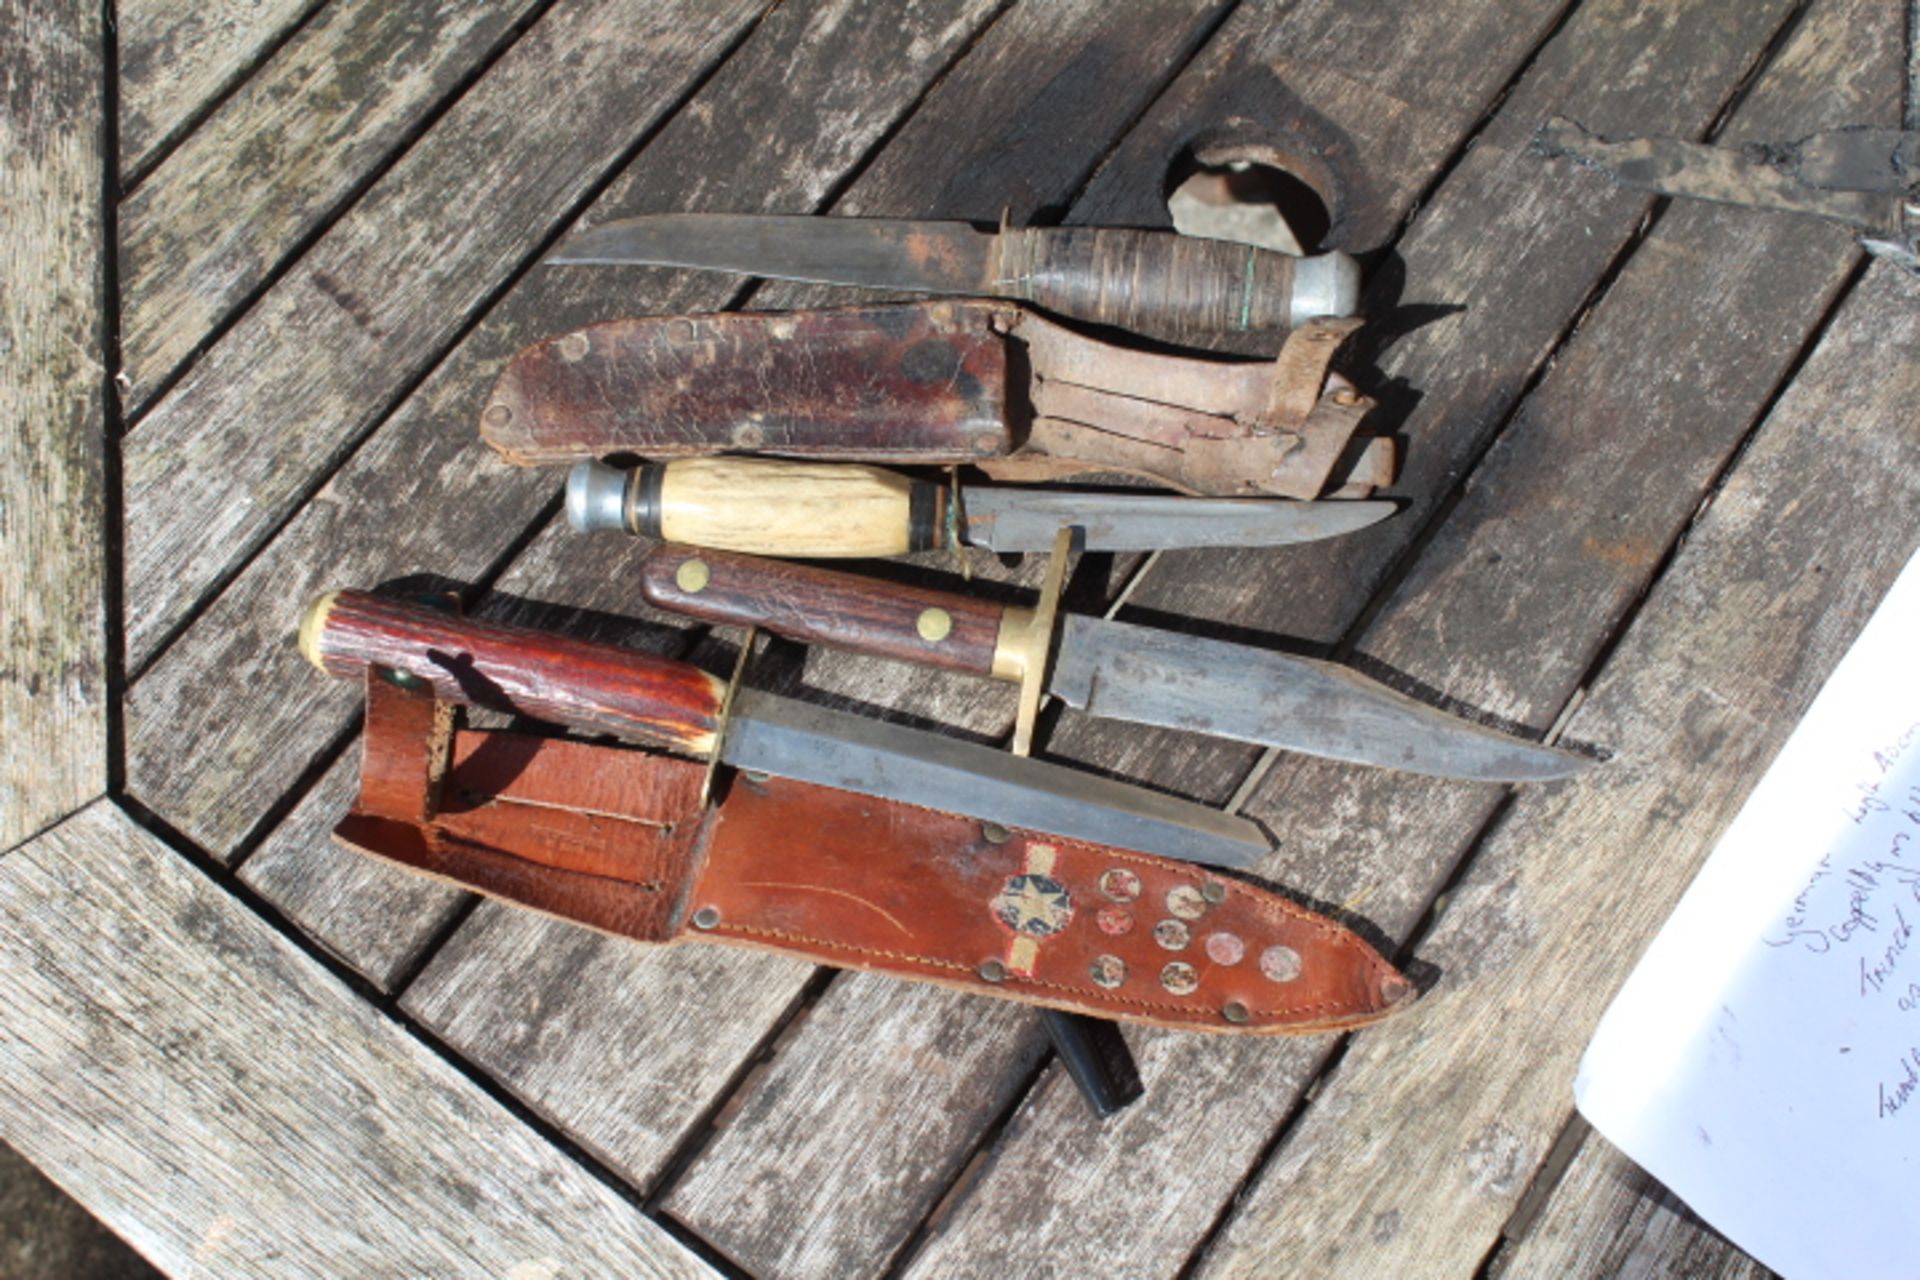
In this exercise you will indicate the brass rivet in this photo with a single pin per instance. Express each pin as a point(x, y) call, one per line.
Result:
point(402, 679)
point(1214, 891)
point(934, 625)
point(748, 436)
point(1234, 1011)
point(498, 416)
point(573, 347)
point(1346, 397)
point(692, 576)
point(994, 833)
point(993, 971)
point(706, 917)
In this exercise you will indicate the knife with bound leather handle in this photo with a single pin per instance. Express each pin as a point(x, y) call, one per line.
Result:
point(1104, 667)
point(1157, 281)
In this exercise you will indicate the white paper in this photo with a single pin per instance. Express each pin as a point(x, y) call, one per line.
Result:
point(1763, 1060)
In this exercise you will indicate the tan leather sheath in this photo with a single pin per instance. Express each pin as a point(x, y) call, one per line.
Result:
point(991, 384)
point(619, 839)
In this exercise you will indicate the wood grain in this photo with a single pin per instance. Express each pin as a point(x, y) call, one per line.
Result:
point(302, 377)
point(176, 56)
point(1348, 835)
point(1608, 1217)
point(373, 916)
point(1771, 587)
point(1214, 1108)
point(423, 498)
point(592, 688)
point(228, 1107)
point(269, 166)
point(813, 605)
point(53, 651)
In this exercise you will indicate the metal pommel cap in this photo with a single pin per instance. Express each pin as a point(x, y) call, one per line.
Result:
point(311, 624)
point(596, 497)
point(1326, 284)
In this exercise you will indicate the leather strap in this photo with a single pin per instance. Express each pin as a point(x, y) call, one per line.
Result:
point(617, 839)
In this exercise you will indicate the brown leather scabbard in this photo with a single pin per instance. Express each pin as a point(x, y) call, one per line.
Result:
point(991, 384)
point(619, 840)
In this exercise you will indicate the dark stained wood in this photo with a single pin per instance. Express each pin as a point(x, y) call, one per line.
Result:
point(826, 606)
point(593, 688)
point(301, 378)
point(269, 166)
point(227, 1107)
point(178, 55)
point(53, 654)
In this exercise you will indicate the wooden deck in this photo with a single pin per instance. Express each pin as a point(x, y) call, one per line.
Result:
point(1661, 461)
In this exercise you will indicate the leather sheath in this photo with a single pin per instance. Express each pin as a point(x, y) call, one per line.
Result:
point(621, 840)
point(991, 384)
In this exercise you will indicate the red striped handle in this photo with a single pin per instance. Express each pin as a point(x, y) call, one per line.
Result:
point(598, 688)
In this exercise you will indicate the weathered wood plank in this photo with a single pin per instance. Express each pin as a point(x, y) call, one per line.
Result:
point(1147, 1159)
point(1384, 92)
point(1770, 588)
point(295, 384)
point(374, 917)
point(785, 1206)
point(1640, 411)
point(271, 164)
point(177, 55)
point(475, 1003)
point(797, 105)
point(227, 1107)
point(1608, 1217)
point(776, 127)
point(53, 694)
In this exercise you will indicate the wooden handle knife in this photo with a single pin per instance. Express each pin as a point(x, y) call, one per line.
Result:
point(842, 610)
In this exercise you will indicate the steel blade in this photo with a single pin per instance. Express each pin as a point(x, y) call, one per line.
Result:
point(878, 253)
point(771, 734)
point(1006, 519)
point(1297, 704)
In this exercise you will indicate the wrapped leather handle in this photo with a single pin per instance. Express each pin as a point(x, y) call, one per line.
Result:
point(840, 610)
point(598, 688)
point(1157, 281)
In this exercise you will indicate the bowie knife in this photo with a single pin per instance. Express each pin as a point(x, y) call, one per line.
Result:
point(1106, 668)
point(634, 695)
point(1129, 278)
point(825, 510)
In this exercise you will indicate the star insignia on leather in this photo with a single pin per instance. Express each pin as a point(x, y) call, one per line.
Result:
point(1035, 905)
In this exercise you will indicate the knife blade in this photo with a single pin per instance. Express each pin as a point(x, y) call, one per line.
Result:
point(1130, 278)
point(638, 696)
point(827, 510)
point(1104, 667)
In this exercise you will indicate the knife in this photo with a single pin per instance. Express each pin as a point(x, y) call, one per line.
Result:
point(602, 688)
point(831, 510)
point(1106, 668)
point(1128, 278)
